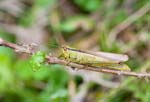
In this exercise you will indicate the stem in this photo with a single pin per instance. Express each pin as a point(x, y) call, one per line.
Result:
point(130, 20)
point(54, 60)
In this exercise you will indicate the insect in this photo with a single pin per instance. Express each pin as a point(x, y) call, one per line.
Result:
point(95, 59)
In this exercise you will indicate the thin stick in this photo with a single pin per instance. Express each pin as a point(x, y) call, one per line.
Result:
point(123, 25)
point(54, 60)
point(17, 48)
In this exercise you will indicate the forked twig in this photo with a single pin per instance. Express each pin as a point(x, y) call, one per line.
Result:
point(54, 60)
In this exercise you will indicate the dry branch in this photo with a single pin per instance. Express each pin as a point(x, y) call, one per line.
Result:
point(127, 22)
point(54, 60)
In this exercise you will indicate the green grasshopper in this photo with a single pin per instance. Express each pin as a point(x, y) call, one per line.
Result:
point(95, 59)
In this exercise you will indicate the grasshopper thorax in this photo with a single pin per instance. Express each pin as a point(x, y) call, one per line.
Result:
point(64, 51)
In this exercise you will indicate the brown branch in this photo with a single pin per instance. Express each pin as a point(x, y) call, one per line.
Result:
point(55, 60)
point(17, 48)
point(130, 20)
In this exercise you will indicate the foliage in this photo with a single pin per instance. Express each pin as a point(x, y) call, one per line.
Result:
point(37, 60)
point(84, 24)
point(90, 5)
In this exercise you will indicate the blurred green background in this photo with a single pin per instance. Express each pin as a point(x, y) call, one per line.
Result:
point(84, 24)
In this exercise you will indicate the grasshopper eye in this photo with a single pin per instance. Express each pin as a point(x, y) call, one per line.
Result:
point(64, 48)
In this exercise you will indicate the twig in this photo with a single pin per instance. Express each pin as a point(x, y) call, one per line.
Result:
point(54, 60)
point(120, 27)
point(17, 48)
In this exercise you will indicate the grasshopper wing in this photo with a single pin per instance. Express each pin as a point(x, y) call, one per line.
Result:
point(118, 58)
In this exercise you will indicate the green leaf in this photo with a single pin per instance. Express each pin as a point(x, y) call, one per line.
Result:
point(37, 60)
point(76, 22)
point(88, 5)
point(60, 94)
point(56, 90)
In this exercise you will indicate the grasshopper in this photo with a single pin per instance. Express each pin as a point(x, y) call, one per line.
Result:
point(95, 59)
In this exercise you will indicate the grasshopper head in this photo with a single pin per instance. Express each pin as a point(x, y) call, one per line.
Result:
point(63, 51)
